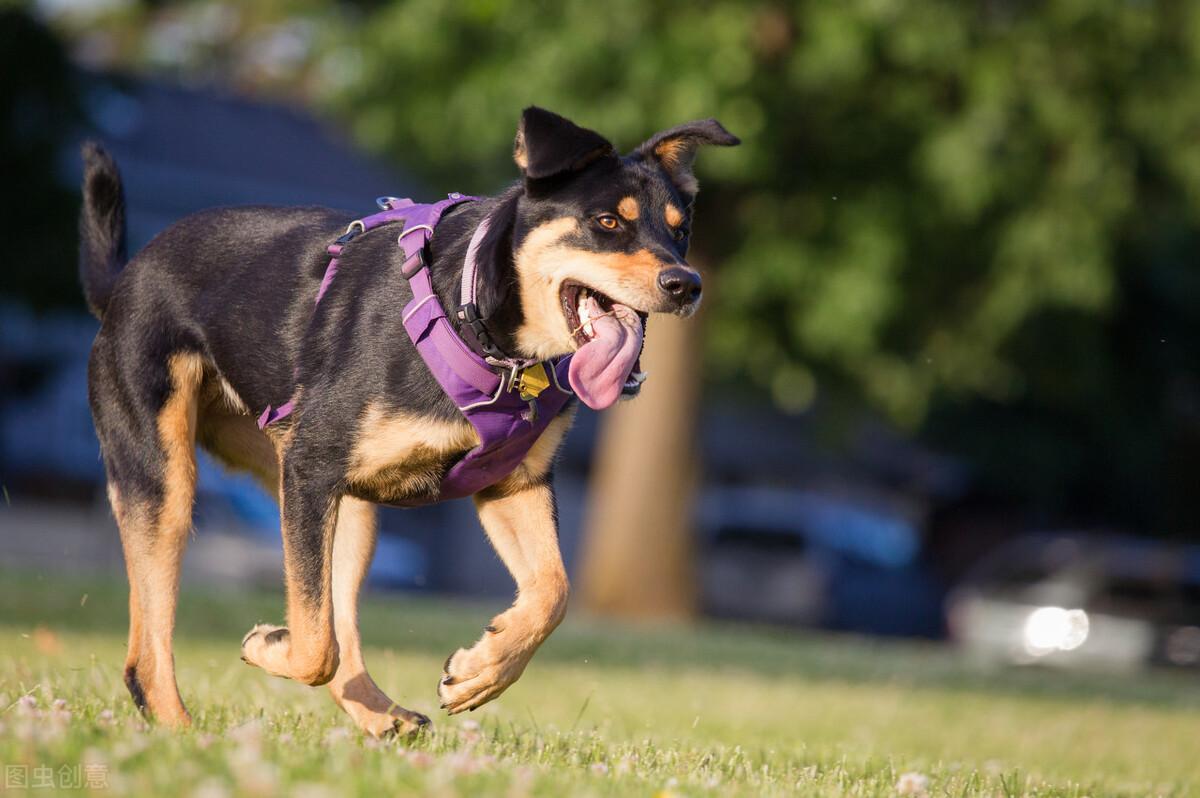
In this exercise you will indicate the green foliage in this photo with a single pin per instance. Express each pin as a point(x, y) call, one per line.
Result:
point(918, 181)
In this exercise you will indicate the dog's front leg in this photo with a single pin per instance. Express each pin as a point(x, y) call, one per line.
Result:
point(306, 650)
point(521, 524)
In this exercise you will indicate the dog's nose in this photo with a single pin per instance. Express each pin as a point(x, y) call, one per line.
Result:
point(682, 285)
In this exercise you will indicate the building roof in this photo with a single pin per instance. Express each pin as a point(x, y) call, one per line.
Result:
point(182, 149)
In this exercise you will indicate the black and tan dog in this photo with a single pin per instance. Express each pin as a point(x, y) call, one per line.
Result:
point(215, 319)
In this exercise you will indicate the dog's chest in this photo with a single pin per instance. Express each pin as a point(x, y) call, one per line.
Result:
point(401, 457)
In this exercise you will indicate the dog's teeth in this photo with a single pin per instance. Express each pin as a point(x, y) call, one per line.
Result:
point(587, 328)
point(638, 377)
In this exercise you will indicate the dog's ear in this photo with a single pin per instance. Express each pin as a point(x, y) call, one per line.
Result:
point(548, 145)
point(675, 149)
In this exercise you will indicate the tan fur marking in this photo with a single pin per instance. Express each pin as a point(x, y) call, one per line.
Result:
point(308, 651)
point(676, 156)
point(177, 432)
point(238, 443)
point(232, 400)
point(154, 539)
point(673, 153)
point(520, 155)
point(386, 438)
point(521, 528)
point(401, 453)
point(628, 208)
point(544, 262)
point(673, 215)
point(352, 687)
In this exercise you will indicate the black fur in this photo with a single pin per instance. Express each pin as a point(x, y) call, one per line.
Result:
point(134, 685)
point(551, 145)
point(101, 227)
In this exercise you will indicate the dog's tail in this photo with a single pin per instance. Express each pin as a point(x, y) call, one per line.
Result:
point(101, 227)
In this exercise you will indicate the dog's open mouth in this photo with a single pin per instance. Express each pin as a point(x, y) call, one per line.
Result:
point(609, 336)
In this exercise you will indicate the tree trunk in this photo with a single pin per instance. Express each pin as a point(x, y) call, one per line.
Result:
point(638, 547)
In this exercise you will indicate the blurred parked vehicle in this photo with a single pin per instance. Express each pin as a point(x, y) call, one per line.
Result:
point(1074, 600)
point(843, 560)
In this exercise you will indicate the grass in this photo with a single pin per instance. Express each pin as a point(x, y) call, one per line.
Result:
point(603, 710)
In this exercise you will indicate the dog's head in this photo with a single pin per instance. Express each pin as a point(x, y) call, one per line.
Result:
point(600, 240)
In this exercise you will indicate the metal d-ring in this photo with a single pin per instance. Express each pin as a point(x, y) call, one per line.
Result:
point(408, 230)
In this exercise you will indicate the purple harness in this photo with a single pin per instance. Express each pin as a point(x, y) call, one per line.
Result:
point(508, 401)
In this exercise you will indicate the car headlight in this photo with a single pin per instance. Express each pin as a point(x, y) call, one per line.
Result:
point(1050, 629)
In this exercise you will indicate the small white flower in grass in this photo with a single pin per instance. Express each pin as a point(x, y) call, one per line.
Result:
point(59, 713)
point(599, 768)
point(27, 706)
point(912, 783)
point(105, 718)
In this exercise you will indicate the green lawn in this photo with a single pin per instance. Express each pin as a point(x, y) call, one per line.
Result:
point(603, 710)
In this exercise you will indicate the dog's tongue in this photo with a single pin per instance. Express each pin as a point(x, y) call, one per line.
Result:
point(600, 367)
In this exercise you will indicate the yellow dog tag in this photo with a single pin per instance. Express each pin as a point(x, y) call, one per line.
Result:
point(532, 381)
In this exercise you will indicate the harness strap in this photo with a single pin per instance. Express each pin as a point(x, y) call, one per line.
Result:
point(474, 325)
point(419, 223)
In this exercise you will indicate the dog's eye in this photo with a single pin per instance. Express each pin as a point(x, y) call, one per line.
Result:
point(608, 221)
point(680, 233)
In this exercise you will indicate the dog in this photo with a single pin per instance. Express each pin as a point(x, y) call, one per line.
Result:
point(215, 319)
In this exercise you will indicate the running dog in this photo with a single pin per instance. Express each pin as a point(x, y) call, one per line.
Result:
point(215, 320)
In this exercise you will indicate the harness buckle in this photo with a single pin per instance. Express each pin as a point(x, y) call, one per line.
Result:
point(413, 265)
point(476, 332)
point(354, 229)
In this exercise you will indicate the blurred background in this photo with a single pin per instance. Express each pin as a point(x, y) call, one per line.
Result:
point(945, 383)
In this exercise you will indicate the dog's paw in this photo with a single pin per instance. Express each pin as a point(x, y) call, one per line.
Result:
point(473, 676)
point(266, 646)
point(398, 723)
point(371, 709)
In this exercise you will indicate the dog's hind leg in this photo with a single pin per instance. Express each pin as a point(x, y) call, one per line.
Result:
point(521, 524)
point(306, 649)
point(151, 465)
point(352, 687)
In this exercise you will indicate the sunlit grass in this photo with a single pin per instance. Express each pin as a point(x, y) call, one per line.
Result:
point(603, 710)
